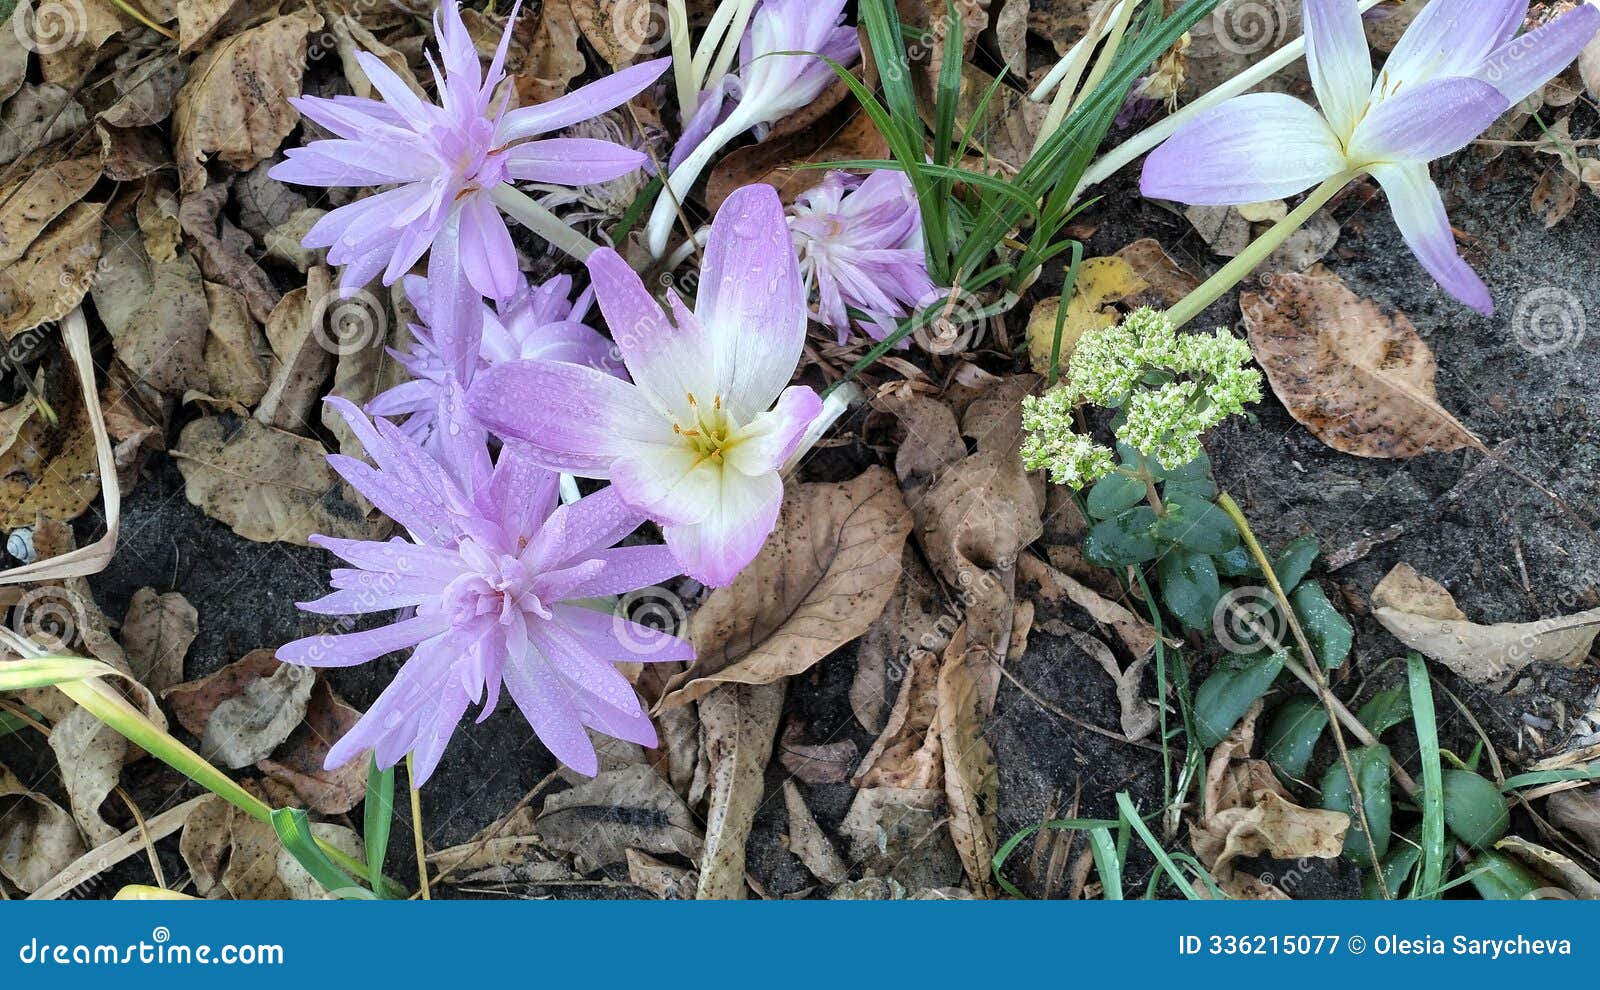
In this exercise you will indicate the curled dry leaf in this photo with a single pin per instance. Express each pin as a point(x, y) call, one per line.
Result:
point(267, 484)
point(630, 808)
point(622, 31)
point(224, 251)
point(245, 710)
point(823, 576)
point(49, 468)
point(900, 833)
point(737, 726)
point(1552, 865)
point(36, 116)
point(668, 882)
point(1139, 716)
point(807, 840)
point(1136, 634)
point(37, 838)
point(298, 333)
point(54, 273)
point(552, 59)
point(236, 100)
point(816, 763)
point(971, 780)
point(29, 204)
point(236, 357)
point(1248, 813)
point(1423, 615)
point(1360, 379)
point(914, 620)
point(299, 763)
point(1578, 812)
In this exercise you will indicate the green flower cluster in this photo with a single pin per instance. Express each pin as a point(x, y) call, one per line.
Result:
point(1171, 387)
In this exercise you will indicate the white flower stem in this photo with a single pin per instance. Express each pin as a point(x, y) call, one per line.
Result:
point(715, 29)
point(1239, 268)
point(683, 73)
point(659, 228)
point(1114, 160)
point(521, 207)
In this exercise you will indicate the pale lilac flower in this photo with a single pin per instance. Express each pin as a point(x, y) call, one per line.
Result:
point(444, 162)
point(1459, 66)
point(489, 578)
point(860, 246)
point(768, 88)
point(532, 323)
point(697, 442)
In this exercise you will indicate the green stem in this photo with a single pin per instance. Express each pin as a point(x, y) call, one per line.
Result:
point(1239, 268)
point(520, 207)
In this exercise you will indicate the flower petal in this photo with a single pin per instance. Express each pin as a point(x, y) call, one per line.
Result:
point(488, 257)
point(350, 649)
point(1418, 209)
point(1221, 158)
point(772, 436)
point(1449, 38)
point(668, 363)
point(585, 102)
point(670, 483)
point(572, 161)
point(751, 300)
point(1526, 63)
point(617, 638)
point(1340, 64)
point(714, 550)
point(575, 419)
point(547, 704)
point(1426, 121)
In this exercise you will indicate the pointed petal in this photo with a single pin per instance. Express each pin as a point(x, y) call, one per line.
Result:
point(751, 300)
point(1526, 63)
point(1248, 150)
point(627, 569)
point(1418, 209)
point(1426, 121)
point(714, 550)
point(1340, 64)
point(668, 363)
point(1450, 38)
point(350, 649)
point(487, 255)
point(455, 307)
point(582, 103)
point(769, 440)
point(611, 636)
point(548, 707)
point(671, 483)
point(571, 161)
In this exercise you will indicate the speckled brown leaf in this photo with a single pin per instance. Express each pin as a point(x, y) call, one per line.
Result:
point(37, 838)
point(807, 840)
point(29, 204)
point(737, 726)
point(156, 633)
point(552, 59)
point(245, 710)
point(236, 101)
point(54, 273)
point(825, 574)
point(622, 31)
point(267, 484)
point(236, 356)
point(971, 779)
point(1360, 379)
point(298, 763)
point(628, 808)
point(49, 468)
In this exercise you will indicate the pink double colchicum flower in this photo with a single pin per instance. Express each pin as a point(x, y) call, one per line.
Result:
point(769, 87)
point(532, 323)
point(696, 442)
point(490, 577)
point(446, 163)
point(1459, 66)
point(860, 246)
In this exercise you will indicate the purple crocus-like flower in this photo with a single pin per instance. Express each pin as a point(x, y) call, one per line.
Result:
point(697, 442)
point(860, 245)
point(769, 87)
point(444, 162)
point(532, 323)
point(490, 577)
point(1460, 65)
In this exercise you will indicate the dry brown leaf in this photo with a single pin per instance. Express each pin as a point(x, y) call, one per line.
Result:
point(1553, 866)
point(224, 251)
point(37, 838)
point(622, 31)
point(163, 341)
point(807, 840)
point(245, 710)
point(907, 754)
point(1578, 812)
point(816, 763)
point(298, 333)
point(1422, 614)
point(49, 469)
point(236, 100)
point(1359, 379)
point(737, 725)
point(299, 763)
point(156, 633)
point(913, 620)
point(823, 576)
point(668, 882)
point(774, 161)
point(28, 205)
point(1247, 813)
point(54, 273)
point(971, 779)
point(1136, 634)
point(301, 885)
point(552, 59)
point(36, 116)
point(901, 833)
point(351, 36)
point(1554, 196)
point(267, 484)
point(1138, 716)
point(630, 808)
point(237, 361)
point(1167, 282)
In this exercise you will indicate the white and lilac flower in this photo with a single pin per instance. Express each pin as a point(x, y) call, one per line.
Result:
point(860, 247)
point(538, 323)
point(769, 87)
point(1460, 65)
point(445, 163)
point(696, 443)
point(490, 581)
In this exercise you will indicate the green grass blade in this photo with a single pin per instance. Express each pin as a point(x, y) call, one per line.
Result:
point(294, 831)
point(1106, 862)
point(1422, 713)
point(1537, 777)
point(1131, 815)
point(1011, 844)
point(378, 818)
